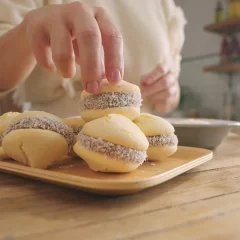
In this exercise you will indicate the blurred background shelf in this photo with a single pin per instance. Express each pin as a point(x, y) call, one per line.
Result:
point(229, 26)
point(223, 68)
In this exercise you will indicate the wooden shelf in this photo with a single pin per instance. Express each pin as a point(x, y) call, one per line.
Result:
point(226, 27)
point(223, 68)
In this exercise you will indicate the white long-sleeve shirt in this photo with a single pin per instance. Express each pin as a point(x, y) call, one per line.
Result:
point(152, 30)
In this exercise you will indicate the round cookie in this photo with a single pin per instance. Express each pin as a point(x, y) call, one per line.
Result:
point(37, 139)
point(37, 114)
point(160, 134)
point(5, 119)
point(76, 123)
point(112, 144)
point(122, 98)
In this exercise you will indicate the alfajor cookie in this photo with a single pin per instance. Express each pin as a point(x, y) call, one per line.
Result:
point(76, 123)
point(5, 120)
point(37, 139)
point(122, 98)
point(112, 144)
point(160, 134)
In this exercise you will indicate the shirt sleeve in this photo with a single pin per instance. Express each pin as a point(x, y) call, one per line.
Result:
point(176, 22)
point(12, 13)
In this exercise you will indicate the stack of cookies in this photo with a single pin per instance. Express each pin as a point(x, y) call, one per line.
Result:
point(116, 136)
point(111, 134)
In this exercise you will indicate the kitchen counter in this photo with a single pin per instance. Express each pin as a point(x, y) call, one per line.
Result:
point(203, 203)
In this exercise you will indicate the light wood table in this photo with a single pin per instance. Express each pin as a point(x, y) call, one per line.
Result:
point(201, 204)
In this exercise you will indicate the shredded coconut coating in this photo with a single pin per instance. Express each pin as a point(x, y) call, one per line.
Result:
point(111, 100)
point(163, 140)
point(112, 150)
point(44, 123)
point(76, 129)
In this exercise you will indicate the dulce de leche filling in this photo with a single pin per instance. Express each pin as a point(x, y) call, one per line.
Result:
point(163, 140)
point(112, 150)
point(111, 100)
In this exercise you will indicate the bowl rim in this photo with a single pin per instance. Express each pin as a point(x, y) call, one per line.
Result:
point(202, 122)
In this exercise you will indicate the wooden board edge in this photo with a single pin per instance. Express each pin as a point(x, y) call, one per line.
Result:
point(83, 183)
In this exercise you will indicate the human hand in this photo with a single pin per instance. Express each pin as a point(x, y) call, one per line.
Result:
point(61, 35)
point(161, 87)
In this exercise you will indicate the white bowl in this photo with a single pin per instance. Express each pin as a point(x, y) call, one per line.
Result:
point(202, 133)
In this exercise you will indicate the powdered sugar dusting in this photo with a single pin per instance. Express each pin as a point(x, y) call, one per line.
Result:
point(163, 140)
point(44, 123)
point(111, 100)
point(112, 150)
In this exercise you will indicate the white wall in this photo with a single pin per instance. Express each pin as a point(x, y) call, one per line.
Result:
point(198, 42)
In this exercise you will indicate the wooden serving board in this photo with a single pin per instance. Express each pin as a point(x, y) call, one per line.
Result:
point(75, 173)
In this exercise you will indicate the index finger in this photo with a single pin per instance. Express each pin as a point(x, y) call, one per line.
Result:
point(88, 37)
point(112, 44)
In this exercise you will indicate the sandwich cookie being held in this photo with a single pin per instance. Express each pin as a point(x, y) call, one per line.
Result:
point(76, 123)
point(122, 98)
point(5, 120)
point(37, 139)
point(160, 134)
point(112, 144)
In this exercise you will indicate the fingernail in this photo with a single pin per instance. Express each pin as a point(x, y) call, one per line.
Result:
point(92, 87)
point(116, 76)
